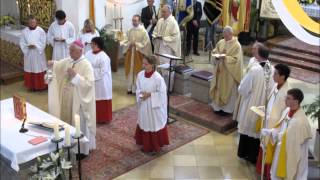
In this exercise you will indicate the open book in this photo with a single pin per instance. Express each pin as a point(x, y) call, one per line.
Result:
point(46, 125)
point(258, 110)
point(217, 56)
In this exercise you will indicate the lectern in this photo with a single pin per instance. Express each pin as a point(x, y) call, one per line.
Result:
point(171, 69)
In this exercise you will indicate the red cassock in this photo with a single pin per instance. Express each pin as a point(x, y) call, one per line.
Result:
point(34, 81)
point(152, 141)
point(104, 111)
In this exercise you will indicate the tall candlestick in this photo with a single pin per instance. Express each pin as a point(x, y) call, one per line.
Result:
point(56, 131)
point(67, 136)
point(77, 124)
point(28, 9)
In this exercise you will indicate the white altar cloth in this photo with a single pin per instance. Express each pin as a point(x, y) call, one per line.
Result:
point(15, 146)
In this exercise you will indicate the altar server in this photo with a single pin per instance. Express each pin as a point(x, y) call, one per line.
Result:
point(103, 80)
point(61, 34)
point(151, 95)
point(87, 33)
point(136, 45)
point(73, 85)
point(33, 44)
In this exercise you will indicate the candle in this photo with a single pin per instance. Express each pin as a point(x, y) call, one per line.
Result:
point(77, 124)
point(28, 8)
point(114, 10)
point(56, 131)
point(17, 2)
point(120, 11)
point(67, 136)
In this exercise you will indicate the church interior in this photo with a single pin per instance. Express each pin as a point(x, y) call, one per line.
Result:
point(203, 143)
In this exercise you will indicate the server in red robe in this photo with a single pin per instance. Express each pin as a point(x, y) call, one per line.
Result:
point(32, 44)
point(151, 94)
point(100, 62)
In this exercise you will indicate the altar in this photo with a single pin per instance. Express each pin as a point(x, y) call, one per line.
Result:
point(15, 146)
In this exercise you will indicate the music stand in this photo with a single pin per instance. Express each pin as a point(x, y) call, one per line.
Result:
point(171, 68)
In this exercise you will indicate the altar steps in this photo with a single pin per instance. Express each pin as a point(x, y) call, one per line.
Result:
point(201, 113)
point(295, 53)
point(9, 73)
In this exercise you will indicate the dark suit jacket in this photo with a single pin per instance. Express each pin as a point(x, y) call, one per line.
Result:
point(146, 15)
point(197, 13)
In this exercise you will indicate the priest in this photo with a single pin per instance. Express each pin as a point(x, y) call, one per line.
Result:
point(136, 45)
point(73, 85)
point(167, 40)
point(276, 105)
point(252, 90)
point(61, 34)
point(227, 73)
point(33, 44)
point(288, 143)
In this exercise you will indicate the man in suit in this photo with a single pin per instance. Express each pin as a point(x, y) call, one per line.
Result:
point(193, 28)
point(149, 17)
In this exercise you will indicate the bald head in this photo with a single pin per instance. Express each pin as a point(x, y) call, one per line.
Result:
point(227, 33)
point(75, 51)
point(166, 11)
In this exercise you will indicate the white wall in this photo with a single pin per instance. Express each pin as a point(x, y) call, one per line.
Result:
point(8, 7)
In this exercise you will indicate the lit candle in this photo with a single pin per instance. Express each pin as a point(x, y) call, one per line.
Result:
point(67, 136)
point(17, 2)
point(28, 8)
point(77, 124)
point(56, 131)
point(114, 10)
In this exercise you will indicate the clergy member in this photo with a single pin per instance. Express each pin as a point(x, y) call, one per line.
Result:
point(227, 73)
point(136, 46)
point(61, 34)
point(73, 83)
point(149, 17)
point(87, 33)
point(103, 80)
point(33, 44)
point(276, 105)
point(252, 90)
point(167, 40)
point(151, 95)
point(288, 142)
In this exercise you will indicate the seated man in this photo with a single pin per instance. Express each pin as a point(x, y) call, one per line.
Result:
point(227, 73)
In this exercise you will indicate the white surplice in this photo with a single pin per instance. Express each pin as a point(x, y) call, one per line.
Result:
point(152, 112)
point(253, 93)
point(86, 38)
point(65, 31)
point(75, 96)
point(34, 59)
point(102, 74)
point(298, 133)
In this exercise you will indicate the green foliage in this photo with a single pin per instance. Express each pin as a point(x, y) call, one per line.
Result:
point(109, 42)
point(6, 20)
point(313, 110)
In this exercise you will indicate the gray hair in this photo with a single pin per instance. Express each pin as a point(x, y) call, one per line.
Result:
point(168, 7)
point(228, 29)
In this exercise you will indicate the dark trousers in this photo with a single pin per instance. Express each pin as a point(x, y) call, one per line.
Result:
point(192, 33)
point(248, 148)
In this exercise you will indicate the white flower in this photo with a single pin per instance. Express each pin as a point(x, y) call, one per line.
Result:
point(65, 164)
point(34, 169)
point(45, 165)
point(54, 156)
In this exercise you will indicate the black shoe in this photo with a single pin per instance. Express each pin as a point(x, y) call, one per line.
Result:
point(81, 156)
point(196, 53)
point(129, 92)
point(222, 113)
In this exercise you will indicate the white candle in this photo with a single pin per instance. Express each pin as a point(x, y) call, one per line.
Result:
point(17, 6)
point(28, 8)
point(77, 124)
point(120, 11)
point(67, 136)
point(56, 131)
point(114, 10)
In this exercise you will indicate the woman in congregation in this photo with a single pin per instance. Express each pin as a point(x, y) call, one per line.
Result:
point(103, 80)
point(87, 33)
point(151, 95)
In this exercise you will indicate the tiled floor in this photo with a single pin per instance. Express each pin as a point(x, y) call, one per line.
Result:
point(212, 156)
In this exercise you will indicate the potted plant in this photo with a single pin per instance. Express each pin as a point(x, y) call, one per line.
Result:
point(313, 111)
point(6, 21)
point(111, 47)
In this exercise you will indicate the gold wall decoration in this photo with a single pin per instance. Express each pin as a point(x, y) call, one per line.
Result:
point(11, 53)
point(43, 10)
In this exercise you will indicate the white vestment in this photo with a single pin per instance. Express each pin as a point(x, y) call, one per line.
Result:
point(142, 44)
point(298, 132)
point(252, 92)
point(152, 112)
point(102, 74)
point(65, 31)
point(75, 96)
point(86, 38)
point(170, 43)
point(34, 59)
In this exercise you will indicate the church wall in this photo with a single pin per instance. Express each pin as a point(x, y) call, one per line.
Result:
point(8, 7)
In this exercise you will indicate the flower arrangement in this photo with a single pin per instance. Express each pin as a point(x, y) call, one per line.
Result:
point(50, 168)
point(7, 20)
